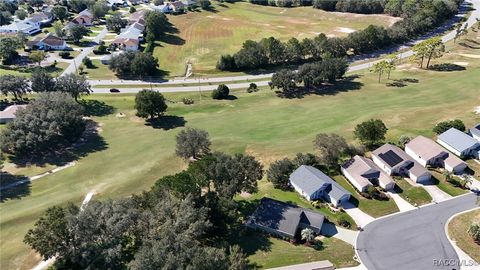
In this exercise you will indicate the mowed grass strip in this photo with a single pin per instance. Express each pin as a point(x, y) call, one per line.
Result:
point(449, 188)
point(458, 232)
point(204, 36)
point(259, 123)
point(414, 195)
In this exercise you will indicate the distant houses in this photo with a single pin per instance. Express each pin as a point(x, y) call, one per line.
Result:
point(48, 43)
point(283, 219)
point(361, 172)
point(41, 18)
point(9, 113)
point(26, 27)
point(84, 18)
point(131, 36)
point(394, 161)
point(313, 184)
point(428, 153)
point(459, 143)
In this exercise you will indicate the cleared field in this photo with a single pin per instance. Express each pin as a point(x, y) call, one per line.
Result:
point(205, 35)
point(458, 231)
point(130, 156)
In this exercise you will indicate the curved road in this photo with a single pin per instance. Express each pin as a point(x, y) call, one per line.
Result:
point(215, 80)
point(412, 240)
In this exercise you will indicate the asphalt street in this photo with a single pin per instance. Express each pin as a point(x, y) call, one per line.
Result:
point(413, 240)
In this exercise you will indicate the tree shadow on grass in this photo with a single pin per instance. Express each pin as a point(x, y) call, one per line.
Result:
point(345, 85)
point(90, 142)
point(13, 186)
point(401, 82)
point(446, 67)
point(96, 108)
point(166, 122)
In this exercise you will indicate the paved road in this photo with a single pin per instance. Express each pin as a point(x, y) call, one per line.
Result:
point(413, 239)
point(77, 61)
point(446, 37)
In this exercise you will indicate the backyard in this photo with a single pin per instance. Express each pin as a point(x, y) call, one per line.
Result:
point(129, 156)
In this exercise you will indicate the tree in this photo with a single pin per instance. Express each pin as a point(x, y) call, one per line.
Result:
point(87, 62)
point(37, 56)
point(133, 63)
point(379, 68)
point(285, 81)
point(58, 29)
point(77, 32)
point(466, 180)
point(155, 25)
point(48, 122)
point(8, 49)
point(115, 23)
point(150, 104)
point(391, 65)
point(221, 92)
point(21, 14)
point(279, 172)
point(331, 148)
point(99, 9)
point(5, 17)
point(226, 62)
point(404, 139)
point(192, 143)
point(73, 84)
point(132, 10)
point(474, 232)
point(42, 81)
point(205, 4)
point(371, 132)
point(60, 13)
point(15, 85)
point(430, 49)
point(446, 125)
point(308, 235)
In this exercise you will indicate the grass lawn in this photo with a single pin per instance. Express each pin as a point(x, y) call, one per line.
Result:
point(205, 35)
point(475, 167)
point(27, 71)
point(130, 156)
point(266, 189)
point(374, 208)
point(100, 71)
point(449, 188)
point(458, 231)
point(414, 195)
point(268, 252)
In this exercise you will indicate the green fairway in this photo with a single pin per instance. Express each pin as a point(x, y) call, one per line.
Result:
point(374, 208)
point(414, 195)
point(205, 35)
point(267, 252)
point(131, 155)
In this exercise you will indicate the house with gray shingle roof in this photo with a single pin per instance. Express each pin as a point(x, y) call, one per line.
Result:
point(313, 184)
point(361, 172)
point(283, 219)
point(475, 132)
point(459, 143)
point(394, 161)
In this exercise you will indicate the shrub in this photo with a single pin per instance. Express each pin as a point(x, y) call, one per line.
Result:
point(187, 101)
point(252, 88)
point(446, 125)
point(222, 92)
point(342, 221)
point(87, 62)
point(474, 232)
point(64, 55)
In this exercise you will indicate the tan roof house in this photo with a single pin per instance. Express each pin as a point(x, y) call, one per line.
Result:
point(362, 173)
point(428, 153)
point(9, 113)
point(394, 161)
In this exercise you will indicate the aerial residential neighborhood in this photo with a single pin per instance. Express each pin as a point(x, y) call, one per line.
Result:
point(240, 134)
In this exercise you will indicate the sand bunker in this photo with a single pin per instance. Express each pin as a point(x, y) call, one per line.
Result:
point(463, 64)
point(476, 56)
point(344, 30)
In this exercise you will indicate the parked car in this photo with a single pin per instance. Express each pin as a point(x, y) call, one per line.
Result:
point(114, 90)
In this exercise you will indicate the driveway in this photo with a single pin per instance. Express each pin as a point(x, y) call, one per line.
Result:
point(360, 217)
point(437, 194)
point(414, 239)
point(348, 236)
point(401, 203)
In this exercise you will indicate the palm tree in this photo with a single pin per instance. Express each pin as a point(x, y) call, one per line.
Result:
point(448, 176)
point(467, 180)
point(307, 235)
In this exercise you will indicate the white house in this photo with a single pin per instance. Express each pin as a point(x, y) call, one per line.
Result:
point(428, 153)
point(394, 161)
point(313, 184)
point(49, 42)
point(475, 132)
point(459, 143)
point(20, 26)
point(362, 173)
point(41, 18)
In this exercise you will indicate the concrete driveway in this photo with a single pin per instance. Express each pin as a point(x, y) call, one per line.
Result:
point(360, 217)
point(414, 239)
point(402, 204)
point(437, 194)
point(348, 236)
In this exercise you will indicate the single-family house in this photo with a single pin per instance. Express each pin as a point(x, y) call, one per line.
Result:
point(126, 44)
point(189, 3)
point(25, 27)
point(394, 161)
point(162, 8)
point(459, 143)
point(428, 153)
point(9, 113)
point(313, 184)
point(47, 43)
point(84, 18)
point(362, 173)
point(475, 132)
point(137, 16)
point(283, 219)
point(41, 18)
point(176, 6)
